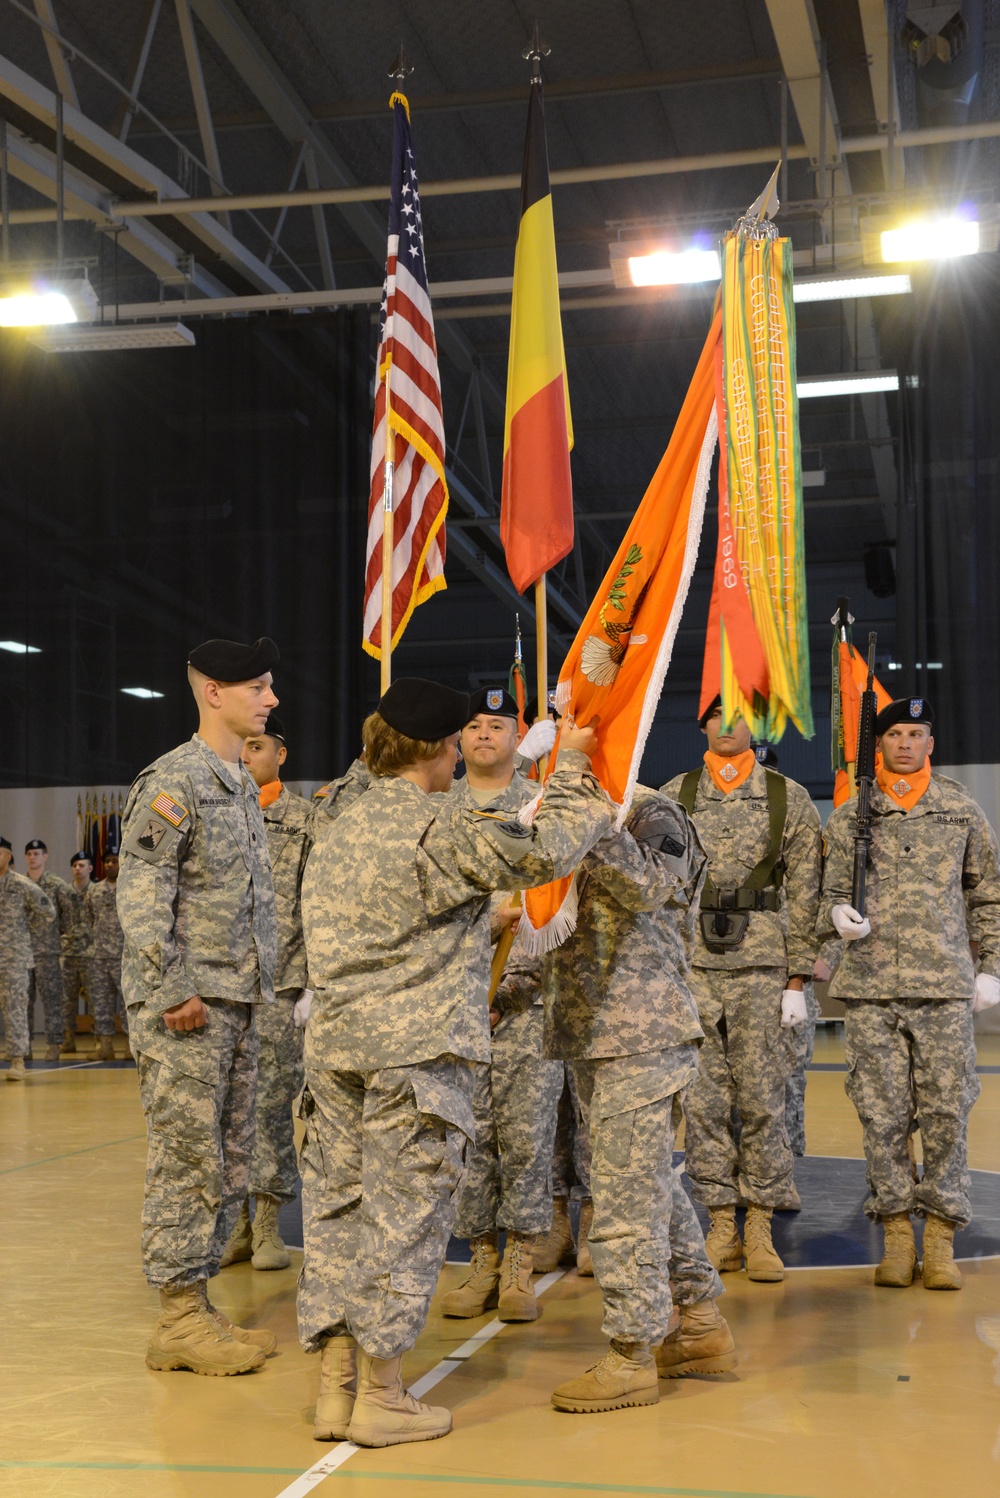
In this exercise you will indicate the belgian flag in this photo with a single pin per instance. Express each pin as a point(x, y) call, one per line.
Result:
point(536, 514)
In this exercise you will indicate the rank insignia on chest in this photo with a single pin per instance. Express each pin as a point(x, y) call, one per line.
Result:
point(728, 772)
point(901, 788)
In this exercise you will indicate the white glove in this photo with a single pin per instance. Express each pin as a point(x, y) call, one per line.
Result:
point(303, 1004)
point(793, 1007)
point(849, 925)
point(987, 993)
point(538, 741)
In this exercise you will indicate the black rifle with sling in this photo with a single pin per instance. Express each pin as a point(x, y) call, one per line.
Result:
point(725, 913)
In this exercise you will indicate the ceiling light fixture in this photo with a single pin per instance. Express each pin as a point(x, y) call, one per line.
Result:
point(17, 647)
point(106, 337)
point(845, 288)
point(34, 301)
point(931, 239)
point(146, 693)
point(846, 384)
point(675, 267)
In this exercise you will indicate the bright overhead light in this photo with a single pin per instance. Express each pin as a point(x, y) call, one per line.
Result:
point(844, 288)
point(931, 239)
point(856, 384)
point(674, 267)
point(17, 647)
point(103, 337)
point(35, 309)
point(931, 666)
point(146, 693)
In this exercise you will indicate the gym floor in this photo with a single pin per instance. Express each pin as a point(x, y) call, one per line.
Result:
point(841, 1388)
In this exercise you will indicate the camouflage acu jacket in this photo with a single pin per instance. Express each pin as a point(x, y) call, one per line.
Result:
point(289, 823)
point(337, 795)
point(617, 986)
point(75, 936)
point(20, 901)
point(101, 907)
point(195, 897)
point(933, 885)
point(395, 905)
point(45, 938)
point(733, 829)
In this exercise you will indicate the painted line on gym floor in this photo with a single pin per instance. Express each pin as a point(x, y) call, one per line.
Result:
point(344, 1450)
point(50, 1159)
point(143, 1467)
point(54, 1070)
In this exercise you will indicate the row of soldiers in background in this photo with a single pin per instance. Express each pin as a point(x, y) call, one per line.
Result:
point(62, 943)
point(397, 925)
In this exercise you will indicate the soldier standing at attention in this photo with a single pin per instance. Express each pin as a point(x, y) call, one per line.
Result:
point(396, 910)
point(196, 905)
point(101, 907)
point(617, 1005)
point(76, 944)
point(516, 1099)
point(753, 953)
point(46, 976)
point(274, 1174)
point(911, 988)
point(20, 900)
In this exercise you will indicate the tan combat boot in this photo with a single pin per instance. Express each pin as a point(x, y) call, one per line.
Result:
point(762, 1261)
point(940, 1272)
point(899, 1256)
point(52, 1053)
point(269, 1252)
point(188, 1336)
point(240, 1245)
point(252, 1336)
point(625, 1376)
point(584, 1263)
point(722, 1243)
point(105, 1048)
point(338, 1387)
point(517, 1300)
point(480, 1292)
point(556, 1246)
point(386, 1414)
point(15, 1070)
point(68, 1047)
point(701, 1342)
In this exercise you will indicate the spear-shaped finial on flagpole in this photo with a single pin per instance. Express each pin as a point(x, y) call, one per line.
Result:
point(536, 49)
point(402, 67)
point(517, 638)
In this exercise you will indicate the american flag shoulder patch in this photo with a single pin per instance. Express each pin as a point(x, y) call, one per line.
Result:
point(169, 809)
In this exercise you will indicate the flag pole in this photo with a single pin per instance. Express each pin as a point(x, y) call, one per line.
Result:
point(385, 654)
point(533, 53)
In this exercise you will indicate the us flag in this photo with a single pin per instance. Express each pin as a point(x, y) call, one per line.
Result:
point(408, 400)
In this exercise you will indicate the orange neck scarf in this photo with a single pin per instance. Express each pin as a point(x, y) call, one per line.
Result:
point(730, 770)
point(269, 793)
point(905, 790)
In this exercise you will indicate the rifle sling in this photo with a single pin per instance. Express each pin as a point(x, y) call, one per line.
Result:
point(759, 889)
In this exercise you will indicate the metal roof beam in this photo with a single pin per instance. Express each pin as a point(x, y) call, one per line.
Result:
point(57, 56)
point(202, 108)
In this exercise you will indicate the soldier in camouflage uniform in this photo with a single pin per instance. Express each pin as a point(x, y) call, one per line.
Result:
point(618, 1007)
point(196, 905)
point(21, 901)
point(748, 993)
point(516, 1100)
point(570, 1181)
point(911, 988)
point(274, 1174)
point(101, 909)
point(396, 910)
point(46, 976)
point(76, 946)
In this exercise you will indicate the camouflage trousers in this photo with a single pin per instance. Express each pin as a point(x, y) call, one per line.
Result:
point(14, 1007)
point(801, 1044)
point(197, 1089)
point(743, 1063)
point(382, 1163)
point(646, 1243)
point(274, 1170)
point(571, 1152)
point(46, 983)
point(913, 1060)
point(76, 986)
point(105, 991)
point(515, 1103)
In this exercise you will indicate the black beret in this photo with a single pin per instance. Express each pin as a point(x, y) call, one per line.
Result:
point(531, 706)
point(904, 710)
point(710, 709)
point(80, 857)
point(36, 842)
point(493, 701)
point(274, 728)
point(766, 755)
point(424, 709)
point(5, 844)
point(111, 851)
point(226, 660)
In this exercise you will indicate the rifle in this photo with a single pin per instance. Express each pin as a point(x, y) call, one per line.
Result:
point(865, 778)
